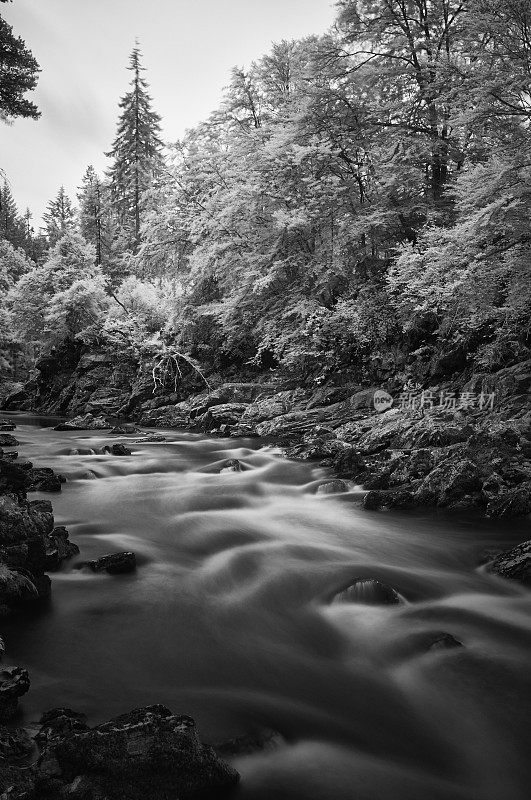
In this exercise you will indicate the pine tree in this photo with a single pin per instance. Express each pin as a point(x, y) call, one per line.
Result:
point(92, 211)
point(59, 217)
point(136, 152)
point(10, 225)
point(18, 75)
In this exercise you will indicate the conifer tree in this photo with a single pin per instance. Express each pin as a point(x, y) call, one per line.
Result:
point(92, 211)
point(136, 152)
point(10, 225)
point(59, 217)
point(18, 75)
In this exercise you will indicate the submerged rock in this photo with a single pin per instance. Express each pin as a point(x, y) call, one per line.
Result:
point(125, 429)
point(14, 682)
point(114, 563)
point(258, 741)
point(332, 487)
point(445, 641)
point(233, 465)
point(514, 564)
point(151, 437)
point(146, 753)
point(369, 592)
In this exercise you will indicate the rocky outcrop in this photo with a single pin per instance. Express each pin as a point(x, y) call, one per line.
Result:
point(59, 548)
point(514, 564)
point(84, 422)
point(14, 682)
point(148, 752)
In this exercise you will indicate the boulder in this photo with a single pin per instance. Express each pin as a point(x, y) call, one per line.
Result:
point(13, 478)
point(449, 482)
point(515, 502)
point(14, 682)
point(148, 752)
point(16, 588)
point(369, 592)
point(21, 520)
point(221, 414)
point(151, 437)
point(6, 425)
point(15, 744)
point(514, 564)
point(85, 422)
point(270, 407)
point(373, 500)
point(123, 430)
point(332, 487)
point(7, 440)
point(59, 548)
point(44, 479)
point(114, 563)
point(117, 450)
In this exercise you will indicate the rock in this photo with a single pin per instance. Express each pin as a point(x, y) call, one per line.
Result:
point(6, 440)
point(373, 500)
point(403, 500)
point(448, 482)
point(6, 425)
point(332, 487)
point(14, 682)
point(15, 587)
point(369, 592)
point(59, 722)
point(146, 753)
point(515, 502)
point(2, 647)
point(221, 414)
point(21, 520)
point(13, 478)
point(114, 563)
point(514, 564)
point(151, 437)
point(117, 450)
point(15, 743)
point(44, 479)
point(125, 430)
point(445, 641)
point(271, 407)
point(85, 422)
point(59, 548)
point(232, 465)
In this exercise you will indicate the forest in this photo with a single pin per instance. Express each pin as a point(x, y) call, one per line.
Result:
point(355, 210)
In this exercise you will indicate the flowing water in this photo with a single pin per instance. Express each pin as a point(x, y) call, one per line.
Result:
point(228, 619)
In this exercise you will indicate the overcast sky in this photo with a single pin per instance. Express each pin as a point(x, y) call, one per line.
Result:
point(83, 46)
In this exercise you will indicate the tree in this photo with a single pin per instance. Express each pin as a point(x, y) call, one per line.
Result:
point(59, 217)
point(136, 152)
point(11, 226)
point(18, 75)
point(92, 211)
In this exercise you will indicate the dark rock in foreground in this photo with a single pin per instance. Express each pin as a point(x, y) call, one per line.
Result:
point(43, 479)
point(6, 440)
point(514, 564)
point(369, 592)
point(59, 548)
point(7, 425)
point(14, 682)
point(114, 563)
point(147, 753)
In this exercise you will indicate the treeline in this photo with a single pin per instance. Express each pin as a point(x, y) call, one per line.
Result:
point(357, 207)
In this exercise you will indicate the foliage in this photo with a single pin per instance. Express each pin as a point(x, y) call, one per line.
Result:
point(18, 75)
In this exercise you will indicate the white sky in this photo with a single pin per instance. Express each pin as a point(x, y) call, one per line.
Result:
point(83, 46)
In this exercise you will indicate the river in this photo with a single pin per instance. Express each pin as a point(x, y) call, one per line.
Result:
point(228, 619)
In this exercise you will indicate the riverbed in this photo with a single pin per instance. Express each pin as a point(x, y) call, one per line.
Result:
point(228, 619)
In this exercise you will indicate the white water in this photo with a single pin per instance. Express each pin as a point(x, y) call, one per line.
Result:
point(227, 619)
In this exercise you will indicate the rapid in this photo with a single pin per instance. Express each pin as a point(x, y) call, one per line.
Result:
point(228, 619)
